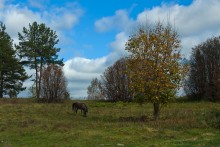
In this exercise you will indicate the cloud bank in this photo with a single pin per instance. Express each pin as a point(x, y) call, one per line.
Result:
point(195, 23)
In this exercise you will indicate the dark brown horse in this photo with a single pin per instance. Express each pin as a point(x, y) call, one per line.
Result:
point(81, 106)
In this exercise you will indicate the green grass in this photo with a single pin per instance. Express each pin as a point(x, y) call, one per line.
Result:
point(24, 122)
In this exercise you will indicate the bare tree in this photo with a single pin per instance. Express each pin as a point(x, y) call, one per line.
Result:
point(115, 82)
point(94, 90)
point(54, 86)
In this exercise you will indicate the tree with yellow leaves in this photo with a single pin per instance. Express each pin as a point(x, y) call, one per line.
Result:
point(154, 66)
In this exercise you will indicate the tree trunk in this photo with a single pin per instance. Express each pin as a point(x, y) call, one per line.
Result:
point(36, 84)
point(1, 85)
point(39, 84)
point(156, 110)
point(36, 78)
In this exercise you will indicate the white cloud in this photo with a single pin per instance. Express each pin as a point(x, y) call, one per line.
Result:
point(15, 17)
point(119, 44)
point(200, 16)
point(86, 65)
point(80, 71)
point(28, 83)
point(119, 21)
point(195, 23)
point(63, 18)
point(118, 47)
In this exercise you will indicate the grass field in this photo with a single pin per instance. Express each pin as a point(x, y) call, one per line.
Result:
point(23, 122)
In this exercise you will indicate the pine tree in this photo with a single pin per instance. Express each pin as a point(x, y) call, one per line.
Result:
point(37, 48)
point(12, 73)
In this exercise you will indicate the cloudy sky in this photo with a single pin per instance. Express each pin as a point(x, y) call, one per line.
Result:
point(93, 33)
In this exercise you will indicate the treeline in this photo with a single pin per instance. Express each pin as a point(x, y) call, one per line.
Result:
point(36, 50)
point(151, 73)
point(154, 70)
point(201, 82)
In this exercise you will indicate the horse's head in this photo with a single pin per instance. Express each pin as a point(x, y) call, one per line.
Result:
point(85, 107)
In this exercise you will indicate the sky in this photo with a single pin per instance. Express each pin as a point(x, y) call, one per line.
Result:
point(92, 33)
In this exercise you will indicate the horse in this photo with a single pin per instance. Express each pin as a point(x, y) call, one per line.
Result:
point(81, 106)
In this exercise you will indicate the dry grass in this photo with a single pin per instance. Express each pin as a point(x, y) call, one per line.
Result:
point(24, 122)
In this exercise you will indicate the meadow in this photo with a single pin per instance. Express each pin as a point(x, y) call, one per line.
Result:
point(24, 122)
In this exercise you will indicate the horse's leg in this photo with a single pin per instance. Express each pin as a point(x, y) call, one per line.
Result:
point(85, 113)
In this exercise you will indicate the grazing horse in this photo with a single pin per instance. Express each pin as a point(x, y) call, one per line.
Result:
point(81, 106)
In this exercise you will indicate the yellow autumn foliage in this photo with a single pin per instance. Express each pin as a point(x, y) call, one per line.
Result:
point(154, 63)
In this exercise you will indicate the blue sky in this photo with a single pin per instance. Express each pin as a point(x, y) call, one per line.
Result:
point(93, 33)
point(84, 39)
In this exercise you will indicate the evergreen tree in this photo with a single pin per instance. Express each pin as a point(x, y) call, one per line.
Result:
point(37, 48)
point(12, 73)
